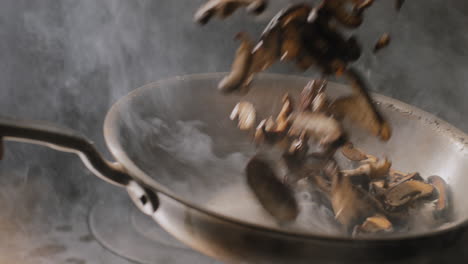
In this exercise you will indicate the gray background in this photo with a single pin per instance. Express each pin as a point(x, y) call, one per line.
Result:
point(68, 61)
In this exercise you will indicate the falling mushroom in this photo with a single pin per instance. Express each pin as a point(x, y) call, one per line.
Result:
point(245, 112)
point(224, 8)
point(352, 153)
point(382, 42)
point(399, 4)
point(237, 78)
point(360, 108)
point(275, 197)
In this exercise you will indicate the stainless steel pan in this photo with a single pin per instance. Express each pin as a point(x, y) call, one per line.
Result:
point(181, 160)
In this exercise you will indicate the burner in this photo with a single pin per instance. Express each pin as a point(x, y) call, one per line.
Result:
point(121, 228)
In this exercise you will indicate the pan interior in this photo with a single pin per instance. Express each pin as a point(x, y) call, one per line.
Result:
point(178, 132)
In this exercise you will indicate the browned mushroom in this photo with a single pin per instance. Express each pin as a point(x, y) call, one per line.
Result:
point(382, 42)
point(373, 170)
point(237, 78)
point(406, 192)
point(224, 8)
point(322, 128)
point(348, 204)
point(442, 204)
point(245, 112)
point(275, 197)
point(374, 224)
point(360, 108)
point(377, 188)
point(396, 179)
point(349, 151)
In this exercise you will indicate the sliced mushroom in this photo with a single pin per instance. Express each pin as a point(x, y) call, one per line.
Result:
point(275, 197)
point(240, 68)
point(396, 179)
point(352, 153)
point(374, 171)
point(245, 112)
point(442, 205)
point(310, 91)
point(374, 224)
point(377, 188)
point(360, 108)
point(406, 192)
point(322, 128)
point(282, 119)
point(382, 42)
point(224, 8)
point(348, 204)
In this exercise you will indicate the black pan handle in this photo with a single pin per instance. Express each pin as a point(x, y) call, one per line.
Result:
point(64, 139)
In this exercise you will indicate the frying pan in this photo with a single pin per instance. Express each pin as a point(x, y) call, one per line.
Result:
point(181, 161)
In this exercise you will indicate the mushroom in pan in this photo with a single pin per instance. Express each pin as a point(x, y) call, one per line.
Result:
point(406, 192)
point(225, 8)
point(350, 152)
point(395, 179)
point(349, 206)
point(373, 170)
point(275, 197)
point(245, 112)
point(382, 42)
point(441, 206)
point(239, 74)
point(373, 224)
point(360, 108)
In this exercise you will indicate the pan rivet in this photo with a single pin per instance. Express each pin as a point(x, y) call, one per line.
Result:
point(142, 198)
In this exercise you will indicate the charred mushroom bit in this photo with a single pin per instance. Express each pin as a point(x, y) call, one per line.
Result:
point(369, 197)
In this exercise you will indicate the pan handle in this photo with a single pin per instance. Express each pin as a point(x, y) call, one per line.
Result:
point(66, 140)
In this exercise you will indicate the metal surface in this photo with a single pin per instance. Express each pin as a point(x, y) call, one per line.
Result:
point(175, 137)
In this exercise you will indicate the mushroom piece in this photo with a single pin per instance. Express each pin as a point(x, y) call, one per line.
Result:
point(374, 224)
point(373, 170)
point(282, 119)
point(275, 197)
point(360, 108)
point(441, 207)
point(322, 128)
point(348, 204)
point(245, 112)
point(406, 192)
point(396, 178)
point(224, 8)
point(382, 42)
point(310, 92)
point(350, 152)
point(237, 78)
